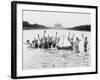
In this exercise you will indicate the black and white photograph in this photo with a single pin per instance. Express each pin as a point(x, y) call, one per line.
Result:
point(53, 39)
point(56, 39)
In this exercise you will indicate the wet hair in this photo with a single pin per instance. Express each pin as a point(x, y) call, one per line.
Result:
point(85, 37)
point(33, 41)
point(27, 41)
point(34, 37)
point(38, 34)
point(77, 38)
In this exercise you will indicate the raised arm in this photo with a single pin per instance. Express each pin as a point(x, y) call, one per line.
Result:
point(44, 34)
point(38, 36)
point(82, 36)
point(73, 35)
point(69, 36)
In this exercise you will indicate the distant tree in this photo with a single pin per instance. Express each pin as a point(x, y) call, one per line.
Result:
point(82, 28)
point(27, 25)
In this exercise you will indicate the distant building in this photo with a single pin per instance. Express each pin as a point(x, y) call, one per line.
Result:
point(57, 25)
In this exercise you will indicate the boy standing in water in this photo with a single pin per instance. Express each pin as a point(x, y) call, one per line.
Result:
point(55, 40)
point(36, 42)
point(76, 45)
point(85, 43)
point(32, 45)
point(28, 43)
point(49, 41)
point(71, 40)
point(45, 41)
point(40, 42)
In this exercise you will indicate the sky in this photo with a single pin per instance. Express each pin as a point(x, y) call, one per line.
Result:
point(49, 19)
